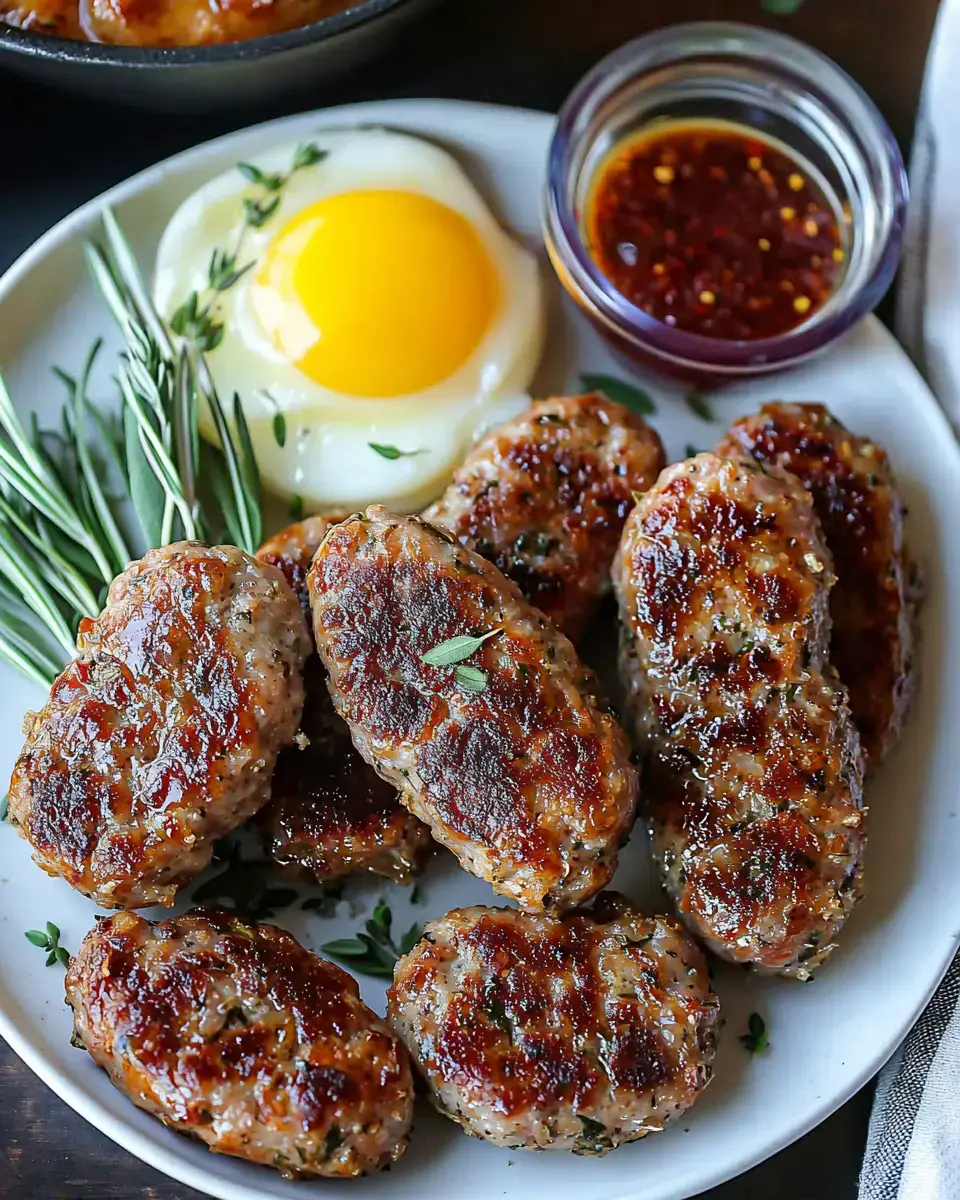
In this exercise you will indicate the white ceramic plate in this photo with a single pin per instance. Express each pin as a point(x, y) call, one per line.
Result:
point(828, 1037)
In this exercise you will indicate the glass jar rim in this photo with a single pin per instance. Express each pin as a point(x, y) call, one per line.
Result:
point(783, 57)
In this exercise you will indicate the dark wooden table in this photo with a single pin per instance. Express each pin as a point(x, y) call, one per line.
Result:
point(58, 153)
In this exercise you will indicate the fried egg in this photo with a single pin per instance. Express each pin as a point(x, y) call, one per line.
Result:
point(375, 322)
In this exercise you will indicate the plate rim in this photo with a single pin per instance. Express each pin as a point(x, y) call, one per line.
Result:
point(25, 1043)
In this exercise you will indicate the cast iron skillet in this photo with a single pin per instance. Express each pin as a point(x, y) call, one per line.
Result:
point(196, 78)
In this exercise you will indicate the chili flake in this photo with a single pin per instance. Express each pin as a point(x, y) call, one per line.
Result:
point(712, 229)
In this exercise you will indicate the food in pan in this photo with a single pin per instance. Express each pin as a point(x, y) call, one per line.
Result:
point(161, 736)
point(329, 812)
point(236, 1035)
point(872, 605)
point(754, 780)
point(359, 295)
point(165, 22)
point(474, 706)
point(545, 496)
point(542, 1034)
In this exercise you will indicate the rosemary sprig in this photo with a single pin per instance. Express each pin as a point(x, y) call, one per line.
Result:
point(374, 952)
point(196, 319)
point(62, 532)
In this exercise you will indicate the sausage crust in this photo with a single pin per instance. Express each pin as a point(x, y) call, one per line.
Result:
point(755, 773)
point(162, 735)
point(236, 1035)
point(524, 777)
point(874, 600)
point(578, 1034)
point(330, 814)
point(545, 496)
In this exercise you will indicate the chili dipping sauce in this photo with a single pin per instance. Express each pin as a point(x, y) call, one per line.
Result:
point(713, 230)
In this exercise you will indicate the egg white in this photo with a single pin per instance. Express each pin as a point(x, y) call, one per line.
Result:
point(326, 458)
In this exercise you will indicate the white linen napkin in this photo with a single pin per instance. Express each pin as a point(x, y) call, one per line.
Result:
point(928, 302)
point(913, 1144)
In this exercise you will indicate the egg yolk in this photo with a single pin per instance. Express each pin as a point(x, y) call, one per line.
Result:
point(376, 293)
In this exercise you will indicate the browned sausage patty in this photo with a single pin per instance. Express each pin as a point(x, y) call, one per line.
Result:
point(162, 735)
point(237, 1035)
point(755, 776)
point(330, 813)
point(543, 1034)
point(545, 496)
point(872, 605)
point(513, 763)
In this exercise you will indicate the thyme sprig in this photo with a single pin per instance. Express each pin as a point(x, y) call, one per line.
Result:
point(66, 496)
point(755, 1040)
point(49, 941)
point(196, 319)
point(373, 951)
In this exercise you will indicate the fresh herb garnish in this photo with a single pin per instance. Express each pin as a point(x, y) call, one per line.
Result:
point(63, 533)
point(280, 429)
point(415, 894)
point(308, 154)
point(456, 649)
point(496, 1010)
point(756, 1039)
point(4, 806)
point(627, 394)
point(373, 951)
point(296, 508)
point(470, 679)
point(692, 451)
point(699, 405)
point(196, 319)
point(392, 452)
point(49, 941)
point(333, 1141)
point(594, 1136)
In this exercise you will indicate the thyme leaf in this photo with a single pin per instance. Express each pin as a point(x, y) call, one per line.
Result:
point(392, 452)
point(627, 394)
point(373, 950)
point(49, 940)
point(456, 649)
point(699, 405)
point(470, 679)
point(755, 1040)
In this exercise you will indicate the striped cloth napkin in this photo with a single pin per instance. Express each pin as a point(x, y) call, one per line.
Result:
point(913, 1145)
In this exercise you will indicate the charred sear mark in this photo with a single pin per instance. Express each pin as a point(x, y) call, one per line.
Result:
point(754, 780)
point(235, 1034)
point(855, 497)
point(545, 496)
point(578, 1034)
point(526, 777)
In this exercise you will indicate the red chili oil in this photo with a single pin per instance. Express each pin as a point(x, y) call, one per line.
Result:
point(712, 229)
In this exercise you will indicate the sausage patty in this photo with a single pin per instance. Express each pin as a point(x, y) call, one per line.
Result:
point(872, 605)
point(542, 1034)
point(162, 735)
point(508, 755)
point(545, 496)
point(237, 1035)
point(330, 814)
point(755, 774)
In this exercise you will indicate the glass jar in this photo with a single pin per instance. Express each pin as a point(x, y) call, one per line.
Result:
point(787, 93)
